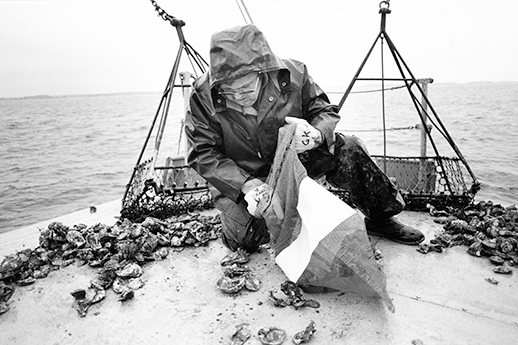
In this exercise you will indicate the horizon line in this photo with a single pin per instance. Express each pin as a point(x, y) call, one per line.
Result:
point(45, 96)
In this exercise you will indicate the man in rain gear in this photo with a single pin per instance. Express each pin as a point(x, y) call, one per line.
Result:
point(236, 110)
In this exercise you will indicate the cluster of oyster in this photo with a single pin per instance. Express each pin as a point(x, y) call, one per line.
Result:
point(294, 298)
point(236, 275)
point(272, 335)
point(487, 229)
point(117, 251)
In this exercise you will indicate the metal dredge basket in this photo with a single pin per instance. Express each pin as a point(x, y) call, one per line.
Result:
point(165, 191)
point(438, 181)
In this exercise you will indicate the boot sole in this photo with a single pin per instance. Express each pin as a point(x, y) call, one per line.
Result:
point(411, 243)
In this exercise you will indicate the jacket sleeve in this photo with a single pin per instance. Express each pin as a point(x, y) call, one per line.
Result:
point(318, 111)
point(204, 150)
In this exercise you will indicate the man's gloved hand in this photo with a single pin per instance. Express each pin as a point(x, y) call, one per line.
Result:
point(263, 202)
point(306, 137)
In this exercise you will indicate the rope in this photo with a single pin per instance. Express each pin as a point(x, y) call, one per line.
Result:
point(246, 17)
point(369, 91)
point(380, 129)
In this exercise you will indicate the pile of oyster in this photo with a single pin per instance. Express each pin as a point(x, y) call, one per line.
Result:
point(294, 297)
point(488, 230)
point(272, 335)
point(117, 252)
point(236, 275)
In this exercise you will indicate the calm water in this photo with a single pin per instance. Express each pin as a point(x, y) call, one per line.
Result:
point(64, 154)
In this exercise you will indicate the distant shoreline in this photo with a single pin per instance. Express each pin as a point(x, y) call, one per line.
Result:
point(333, 88)
point(76, 95)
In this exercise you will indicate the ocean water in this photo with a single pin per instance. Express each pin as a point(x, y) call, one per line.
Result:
point(63, 154)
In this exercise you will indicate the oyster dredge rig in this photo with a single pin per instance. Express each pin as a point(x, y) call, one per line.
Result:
point(174, 188)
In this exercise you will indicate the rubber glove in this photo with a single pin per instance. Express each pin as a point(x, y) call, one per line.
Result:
point(263, 202)
point(306, 137)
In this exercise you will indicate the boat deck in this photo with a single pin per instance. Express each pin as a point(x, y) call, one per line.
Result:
point(440, 298)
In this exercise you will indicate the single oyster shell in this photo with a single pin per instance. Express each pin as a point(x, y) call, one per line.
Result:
point(94, 294)
point(496, 260)
point(93, 241)
point(126, 294)
point(252, 283)
point(277, 302)
point(135, 283)
point(79, 294)
point(240, 336)
point(26, 281)
point(198, 230)
point(305, 335)
point(271, 336)
point(230, 285)
point(311, 303)
point(161, 253)
point(105, 278)
point(130, 271)
point(502, 270)
point(118, 285)
point(75, 237)
point(3, 307)
point(6, 292)
point(235, 270)
point(491, 280)
point(240, 256)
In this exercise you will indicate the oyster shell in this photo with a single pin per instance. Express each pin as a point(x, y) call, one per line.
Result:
point(75, 237)
point(491, 280)
point(271, 335)
point(118, 285)
point(241, 335)
point(305, 335)
point(502, 270)
point(294, 297)
point(161, 253)
point(78, 293)
point(458, 226)
point(130, 271)
point(240, 256)
point(312, 304)
point(85, 298)
point(14, 263)
point(231, 285)
point(497, 260)
point(126, 294)
point(93, 241)
point(4, 307)
point(135, 283)
point(252, 283)
point(236, 270)
point(105, 278)
point(26, 281)
point(277, 302)
point(6, 291)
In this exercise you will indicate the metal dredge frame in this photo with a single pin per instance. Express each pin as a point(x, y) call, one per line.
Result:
point(437, 180)
point(172, 189)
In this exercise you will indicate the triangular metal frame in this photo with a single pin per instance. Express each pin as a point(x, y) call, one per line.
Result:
point(409, 80)
point(197, 62)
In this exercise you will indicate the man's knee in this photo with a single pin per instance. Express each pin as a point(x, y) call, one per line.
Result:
point(239, 228)
point(351, 142)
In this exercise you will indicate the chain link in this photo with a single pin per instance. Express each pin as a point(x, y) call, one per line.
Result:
point(165, 16)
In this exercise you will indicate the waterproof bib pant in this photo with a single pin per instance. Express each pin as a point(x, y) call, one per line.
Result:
point(350, 168)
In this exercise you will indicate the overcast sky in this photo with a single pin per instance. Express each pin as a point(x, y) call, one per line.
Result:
point(103, 46)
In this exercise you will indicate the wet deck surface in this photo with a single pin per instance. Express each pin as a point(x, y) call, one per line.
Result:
point(439, 299)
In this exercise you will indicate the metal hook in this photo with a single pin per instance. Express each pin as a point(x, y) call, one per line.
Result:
point(384, 6)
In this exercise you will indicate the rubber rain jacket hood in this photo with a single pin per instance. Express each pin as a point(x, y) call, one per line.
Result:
point(239, 51)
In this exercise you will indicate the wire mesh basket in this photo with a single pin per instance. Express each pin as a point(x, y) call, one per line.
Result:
point(162, 192)
point(422, 181)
